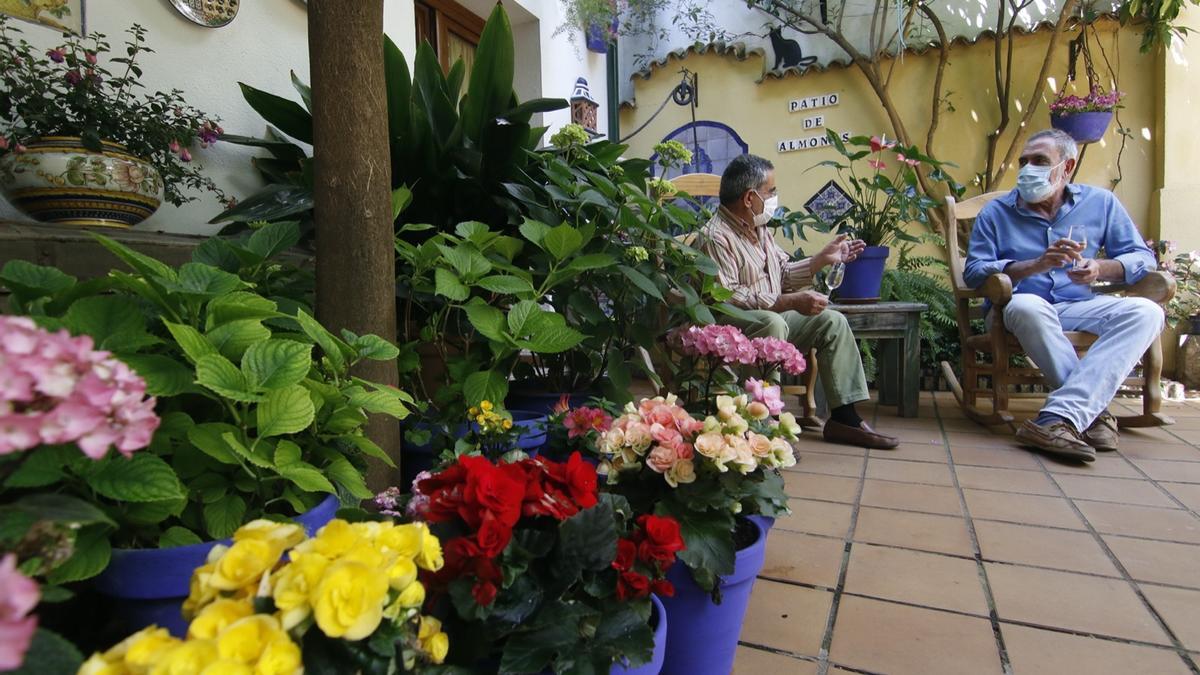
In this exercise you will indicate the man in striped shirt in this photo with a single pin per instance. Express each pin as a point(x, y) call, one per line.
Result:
point(776, 293)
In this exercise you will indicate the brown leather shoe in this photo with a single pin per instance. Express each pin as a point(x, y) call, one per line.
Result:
point(1103, 434)
point(1057, 438)
point(863, 436)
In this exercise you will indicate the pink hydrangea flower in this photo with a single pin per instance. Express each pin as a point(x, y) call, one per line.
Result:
point(18, 596)
point(776, 353)
point(580, 421)
point(726, 343)
point(56, 389)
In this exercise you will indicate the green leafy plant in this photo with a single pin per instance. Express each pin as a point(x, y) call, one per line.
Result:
point(68, 91)
point(1158, 18)
point(260, 416)
point(1185, 267)
point(453, 148)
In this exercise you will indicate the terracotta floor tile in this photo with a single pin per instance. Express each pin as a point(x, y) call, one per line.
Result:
point(1180, 608)
point(1185, 424)
point(1004, 458)
point(927, 579)
point(836, 465)
point(817, 518)
point(820, 486)
point(1161, 469)
point(1005, 480)
point(1149, 434)
point(787, 617)
point(810, 441)
point(909, 472)
point(1043, 547)
point(803, 558)
point(1107, 464)
point(1073, 601)
point(962, 424)
point(916, 452)
point(980, 440)
point(1117, 490)
point(911, 497)
point(926, 436)
point(1142, 521)
point(1031, 509)
point(1188, 493)
point(751, 661)
point(1158, 561)
point(1031, 650)
point(889, 638)
point(940, 534)
point(1143, 450)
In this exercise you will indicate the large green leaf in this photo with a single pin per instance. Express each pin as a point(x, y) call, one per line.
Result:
point(526, 110)
point(488, 320)
point(138, 261)
point(279, 147)
point(562, 241)
point(708, 535)
point(335, 350)
point(486, 385)
point(273, 364)
point(506, 284)
point(49, 654)
point(491, 87)
point(218, 374)
point(191, 341)
point(206, 281)
point(27, 278)
point(233, 338)
point(141, 478)
point(209, 437)
point(91, 556)
point(259, 454)
point(218, 253)
point(272, 239)
point(287, 115)
point(641, 281)
point(304, 90)
point(399, 88)
point(307, 477)
point(368, 448)
point(285, 411)
point(341, 471)
point(60, 508)
point(240, 305)
point(177, 536)
point(380, 401)
point(223, 517)
point(520, 317)
point(468, 263)
point(41, 466)
point(449, 285)
point(549, 334)
point(164, 376)
point(115, 322)
point(374, 348)
point(588, 541)
point(274, 202)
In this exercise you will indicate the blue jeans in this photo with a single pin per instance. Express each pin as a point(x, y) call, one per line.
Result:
point(1083, 387)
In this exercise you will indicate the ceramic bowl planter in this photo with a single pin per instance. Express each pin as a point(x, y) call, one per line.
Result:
point(148, 585)
point(1084, 127)
point(57, 180)
point(863, 277)
point(706, 634)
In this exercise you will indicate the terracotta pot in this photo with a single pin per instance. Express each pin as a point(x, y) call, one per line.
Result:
point(58, 180)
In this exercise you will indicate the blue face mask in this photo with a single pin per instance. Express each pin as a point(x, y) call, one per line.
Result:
point(1034, 184)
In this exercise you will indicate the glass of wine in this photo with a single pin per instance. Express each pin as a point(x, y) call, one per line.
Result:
point(833, 278)
point(1081, 241)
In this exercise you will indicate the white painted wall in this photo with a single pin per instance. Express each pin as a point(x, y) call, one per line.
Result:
point(264, 43)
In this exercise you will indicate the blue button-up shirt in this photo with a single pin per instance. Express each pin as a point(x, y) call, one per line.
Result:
point(1006, 231)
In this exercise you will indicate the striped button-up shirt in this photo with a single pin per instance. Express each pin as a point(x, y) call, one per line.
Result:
point(751, 264)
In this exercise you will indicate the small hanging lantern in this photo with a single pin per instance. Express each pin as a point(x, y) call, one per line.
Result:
point(584, 109)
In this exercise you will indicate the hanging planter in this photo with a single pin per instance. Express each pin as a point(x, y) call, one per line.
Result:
point(1084, 127)
point(598, 37)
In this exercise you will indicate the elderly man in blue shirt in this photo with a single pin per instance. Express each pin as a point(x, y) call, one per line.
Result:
point(1045, 236)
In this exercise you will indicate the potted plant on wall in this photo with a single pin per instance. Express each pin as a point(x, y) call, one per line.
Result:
point(1085, 118)
point(80, 145)
point(886, 199)
point(1183, 312)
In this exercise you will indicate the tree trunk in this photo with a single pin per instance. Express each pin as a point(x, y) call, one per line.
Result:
point(356, 270)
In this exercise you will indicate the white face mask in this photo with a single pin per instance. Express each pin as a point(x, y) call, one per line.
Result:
point(770, 206)
point(1034, 184)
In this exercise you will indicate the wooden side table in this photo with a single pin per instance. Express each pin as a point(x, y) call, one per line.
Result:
point(898, 325)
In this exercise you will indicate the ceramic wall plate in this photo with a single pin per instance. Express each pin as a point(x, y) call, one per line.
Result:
point(210, 13)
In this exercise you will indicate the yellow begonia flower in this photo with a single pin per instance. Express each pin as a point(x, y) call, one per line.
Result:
point(404, 541)
point(98, 665)
point(348, 601)
point(429, 626)
point(214, 618)
point(148, 646)
point(412, 596)
point(294, 585)
point(436, 647)
point(200, 591)
point(333, 541)
point(281, 657)
point(227, 667)
point(245, 639)
point(402, 574)
point(281, 535)
point(243, 565)
point(430, 557)
point(486, 405)
point(188, 658)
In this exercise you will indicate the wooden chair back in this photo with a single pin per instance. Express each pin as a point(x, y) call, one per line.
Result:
point(699, 184)
point(959, 216)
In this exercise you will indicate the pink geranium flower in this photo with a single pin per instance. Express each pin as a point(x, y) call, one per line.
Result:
point(18, 596)
point(877, 164)
point(580, 421)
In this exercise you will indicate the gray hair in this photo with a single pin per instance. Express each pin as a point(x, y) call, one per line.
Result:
point(745, 172)
point(1067, 149)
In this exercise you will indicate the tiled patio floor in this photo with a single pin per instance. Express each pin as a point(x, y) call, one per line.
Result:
point(961, 553)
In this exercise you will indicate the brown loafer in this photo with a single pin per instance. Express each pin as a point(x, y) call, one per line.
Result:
point(1103, 434)
point(1058, 438)
point(862, 436)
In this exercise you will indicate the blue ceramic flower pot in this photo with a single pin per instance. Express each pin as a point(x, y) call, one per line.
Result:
point(703, 637)
point(654, 667)
point(597, 36)
point(415, 458)
point(148, 585)
point(864, 276)
point(765, 523)
point(1084, 127)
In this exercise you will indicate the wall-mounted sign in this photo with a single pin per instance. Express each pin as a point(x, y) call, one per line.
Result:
point(813, 102)
point(814, 122)
point(807, 143)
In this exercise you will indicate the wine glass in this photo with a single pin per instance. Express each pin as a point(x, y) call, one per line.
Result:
point(1081, 241)
point(833, 278)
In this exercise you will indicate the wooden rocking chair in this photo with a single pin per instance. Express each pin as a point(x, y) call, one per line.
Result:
point(997, 344)
point(801, 386)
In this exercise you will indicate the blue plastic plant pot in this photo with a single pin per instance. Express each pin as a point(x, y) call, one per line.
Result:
point(703, 636)
point(1084, 127)
point(864, 276)
point(597, 37)
point(765, 523)
point(415, 458)
point(148, 585)
point(654, 667)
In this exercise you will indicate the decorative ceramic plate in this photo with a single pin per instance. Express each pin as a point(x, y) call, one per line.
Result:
point(210, 13)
